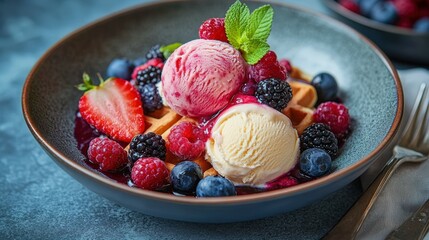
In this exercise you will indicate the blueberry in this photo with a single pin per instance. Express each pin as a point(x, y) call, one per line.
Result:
point(384, 12)
point(140, 61)
point(315, 162)
point(367, 5)
point(120, 68)
point(326, 87)
point(215, 186)
point(185, 177)
point(422, 25)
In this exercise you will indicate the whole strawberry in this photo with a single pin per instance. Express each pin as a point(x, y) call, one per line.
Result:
point(267, 67)
point(110, 155)
point(149, 173)
point(113, 108)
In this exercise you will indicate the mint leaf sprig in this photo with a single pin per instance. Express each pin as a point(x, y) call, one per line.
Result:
point(169, 49)
point(248, 32)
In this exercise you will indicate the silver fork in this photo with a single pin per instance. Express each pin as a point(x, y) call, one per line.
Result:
point(413, 146)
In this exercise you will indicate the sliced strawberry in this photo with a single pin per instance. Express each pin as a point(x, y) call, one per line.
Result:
point(114, 108)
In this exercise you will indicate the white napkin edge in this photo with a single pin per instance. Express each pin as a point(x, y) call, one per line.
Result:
point(408, 188)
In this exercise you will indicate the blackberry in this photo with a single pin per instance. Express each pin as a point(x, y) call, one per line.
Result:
point(319, 135)
point(155, 52)
point(150, 74)
point(150, 97)
point(274, 93)
point(146, 145)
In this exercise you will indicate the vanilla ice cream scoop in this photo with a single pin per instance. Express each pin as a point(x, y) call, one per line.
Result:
point(201, 76)
point(252, 144)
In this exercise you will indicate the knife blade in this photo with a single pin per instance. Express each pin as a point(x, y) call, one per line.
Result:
point(415, 227)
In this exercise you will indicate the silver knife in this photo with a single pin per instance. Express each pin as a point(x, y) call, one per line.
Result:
point(415, 227)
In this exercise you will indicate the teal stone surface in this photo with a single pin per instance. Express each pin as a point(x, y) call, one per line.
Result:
point(50, 99)
point(40, 201)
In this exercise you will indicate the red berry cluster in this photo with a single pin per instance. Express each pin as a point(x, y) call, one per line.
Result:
point(412, 14)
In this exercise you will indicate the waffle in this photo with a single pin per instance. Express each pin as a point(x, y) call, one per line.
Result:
point(299, 110)
point(161, 122)
point(297, 73)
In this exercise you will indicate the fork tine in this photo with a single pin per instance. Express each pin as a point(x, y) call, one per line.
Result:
point(408, 131)
point(421, 121)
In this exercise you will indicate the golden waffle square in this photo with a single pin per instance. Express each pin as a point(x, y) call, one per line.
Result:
point(161, 121)
point(297, 73)
point(300, 108)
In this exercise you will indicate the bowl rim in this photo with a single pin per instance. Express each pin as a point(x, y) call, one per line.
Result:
point(364, 21)
point(231, 200)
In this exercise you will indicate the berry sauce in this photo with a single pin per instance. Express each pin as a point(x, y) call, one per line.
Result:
point(206, 123)
point(84, 133)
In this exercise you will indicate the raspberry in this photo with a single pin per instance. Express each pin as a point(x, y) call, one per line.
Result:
point(149, 75)
point(109, 154)
point(318, 135)
point(283, 181)
point(406, 9)
point(336, 116)
point(350, 5)
point(274, 93)
point(156, 62)
point(267, 67)
point(213, 29)
point(147, 145)
point(286, 65)
point(186, 141)
point(404, 23)
point(149, 173)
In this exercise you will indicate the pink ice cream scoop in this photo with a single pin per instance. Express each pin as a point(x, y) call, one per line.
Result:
point(201, 77)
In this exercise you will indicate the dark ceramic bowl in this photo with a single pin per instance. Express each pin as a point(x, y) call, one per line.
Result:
point(368, 81)
point(400, 44)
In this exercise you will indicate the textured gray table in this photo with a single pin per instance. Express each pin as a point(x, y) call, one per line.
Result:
point(40, 201)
